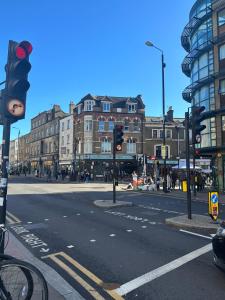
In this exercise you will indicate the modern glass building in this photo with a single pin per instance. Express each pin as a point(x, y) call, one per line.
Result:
point(204, 40)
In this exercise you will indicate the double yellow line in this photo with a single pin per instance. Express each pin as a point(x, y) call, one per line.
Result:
point(94, 293)
point(11, 219)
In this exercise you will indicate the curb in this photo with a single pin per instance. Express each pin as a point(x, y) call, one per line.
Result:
point(197, 222)
point(110, 204)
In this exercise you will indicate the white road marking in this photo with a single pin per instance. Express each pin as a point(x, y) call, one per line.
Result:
point(196, 234)
point(113, 234)
point(148, 277)
point(64, 216)
point(92, 241)
point(143, 226)
point(46, 219)
point(70, 246)
point(29, 222)
point(91, 212)
point(129, 230)
point(78, 214)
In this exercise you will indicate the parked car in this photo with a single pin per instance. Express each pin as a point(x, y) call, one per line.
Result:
point(218, 243)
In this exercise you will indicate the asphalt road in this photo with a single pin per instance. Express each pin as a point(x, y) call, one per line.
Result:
point(119, 253)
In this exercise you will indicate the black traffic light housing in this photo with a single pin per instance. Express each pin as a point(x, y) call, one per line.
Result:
point(196, 119)
point(118, 137)
point(17, 85)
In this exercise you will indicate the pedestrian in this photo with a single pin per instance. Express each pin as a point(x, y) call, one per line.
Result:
point(174, 179)
point(49, 174)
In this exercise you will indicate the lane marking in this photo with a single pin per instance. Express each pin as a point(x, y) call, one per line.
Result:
point(13, 217)
point(92, 241)
point(148, 277)
point(70, 246)
point(143, 226)
point(112, 235)
point(64, 216)
point(129, 230)
point(86, 272)
point(76, 277)
point(10, 221)
point(196, 234)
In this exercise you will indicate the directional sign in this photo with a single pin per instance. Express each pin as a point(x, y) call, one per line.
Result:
point(213, 205)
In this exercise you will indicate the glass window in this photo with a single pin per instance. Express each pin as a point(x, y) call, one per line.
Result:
point(222, 86)
point(79, 109)
point(154, 133)
point(222, 52)
point(87, 125)
point(106, 106)
point(223, 123)
point(88, 147)
point(88, 105)
point(131, 108)
point(126, 125)
point(111, 125)
point(136, 125)
point(68, 139)
point(106, 146)
point(50, 147)
point(168, 133)
point(62, 126)
point(131, 146)
point(221, 17)
point(161, 134)
point(68, 124)
point(101, 125)
point(62, 140)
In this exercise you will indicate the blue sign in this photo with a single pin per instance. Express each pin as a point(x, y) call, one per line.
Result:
point(214, 198)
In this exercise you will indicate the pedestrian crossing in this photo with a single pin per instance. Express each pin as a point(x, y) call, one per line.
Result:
point(12, 219)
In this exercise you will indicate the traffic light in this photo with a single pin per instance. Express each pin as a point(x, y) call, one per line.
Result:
point(17, 85)
point(118, 137)
point(196, 119)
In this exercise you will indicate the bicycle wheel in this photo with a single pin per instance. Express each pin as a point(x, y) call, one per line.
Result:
point(20, 280)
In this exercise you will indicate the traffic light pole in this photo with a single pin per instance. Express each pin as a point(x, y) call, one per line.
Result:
point(114, 165)
point(188, 165)
point(4, 180)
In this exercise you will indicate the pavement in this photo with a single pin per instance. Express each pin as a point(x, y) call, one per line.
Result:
point(111, 204)
point(58, 288)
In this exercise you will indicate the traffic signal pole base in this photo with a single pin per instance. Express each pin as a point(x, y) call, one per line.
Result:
point(165, 190)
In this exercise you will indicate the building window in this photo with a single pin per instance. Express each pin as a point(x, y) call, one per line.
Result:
point(111, 125)
point(50, 147)
point(158, 151)
point(88, 105)
point(161, 134)
point(154, 133)
point(68, 151)
point(222, 52)
point(68, 124)
point(101, 126)
point(169, 134)
point(62, 141)
point(88, 125)
point(131, 108)
point(68, 139)
point(222, 87)
point(106, 106)
point(223, 123)
point(221, 17)
point(78, 109)
point(88, 147)
point(202, 67)
point(126, 124)
point(106, 146)
point(62, 126)
point(131, 146)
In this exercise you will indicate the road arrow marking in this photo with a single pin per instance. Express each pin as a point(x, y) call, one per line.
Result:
point(44, 250)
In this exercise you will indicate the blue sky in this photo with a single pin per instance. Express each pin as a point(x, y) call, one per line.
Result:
point(97, 47)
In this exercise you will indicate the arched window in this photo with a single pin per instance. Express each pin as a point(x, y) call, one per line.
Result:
point(131, 146)
point(106, 145)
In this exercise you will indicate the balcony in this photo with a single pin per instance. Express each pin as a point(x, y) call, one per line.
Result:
point(194, 54)
point(192, 25)
point(187, 94)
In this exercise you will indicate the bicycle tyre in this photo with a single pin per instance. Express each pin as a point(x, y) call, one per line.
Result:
point(33, 280)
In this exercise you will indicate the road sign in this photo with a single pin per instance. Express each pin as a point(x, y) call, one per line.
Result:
point(213, 205)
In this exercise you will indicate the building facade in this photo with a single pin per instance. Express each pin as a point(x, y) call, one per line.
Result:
point(44, 140)
point(66, 140)
point(94, 120)
point(204, 40)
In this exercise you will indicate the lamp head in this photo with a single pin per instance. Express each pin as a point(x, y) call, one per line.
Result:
point(149, 44)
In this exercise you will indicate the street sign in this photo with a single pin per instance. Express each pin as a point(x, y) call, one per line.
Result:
point(213, 205)
point(163, 151)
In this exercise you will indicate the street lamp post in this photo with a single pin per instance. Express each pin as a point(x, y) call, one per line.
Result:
point(150, 44)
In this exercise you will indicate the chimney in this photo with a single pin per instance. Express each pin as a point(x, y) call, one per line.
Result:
point(170, 114)
point(71, 107)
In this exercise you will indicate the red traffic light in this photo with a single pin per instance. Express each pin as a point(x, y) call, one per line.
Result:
point(23, 50)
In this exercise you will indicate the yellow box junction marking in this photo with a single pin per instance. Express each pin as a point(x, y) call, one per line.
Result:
point(12, 219)
point(86, 272)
